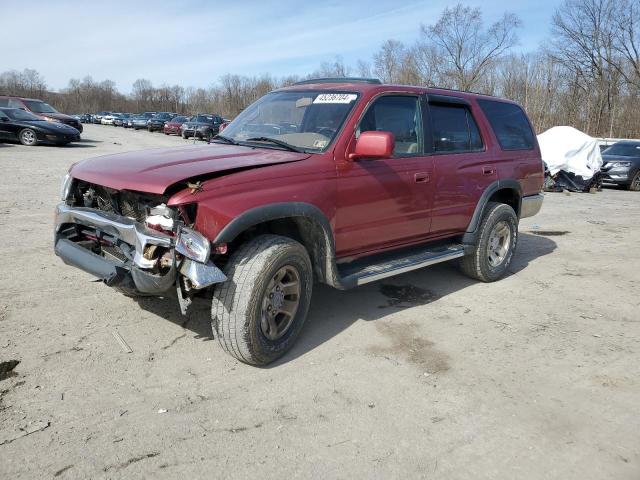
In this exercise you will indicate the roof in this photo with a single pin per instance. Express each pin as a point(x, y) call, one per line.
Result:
point(22, 98)
point(367, 86)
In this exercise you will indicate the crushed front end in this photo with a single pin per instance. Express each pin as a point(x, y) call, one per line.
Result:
point(132, 241)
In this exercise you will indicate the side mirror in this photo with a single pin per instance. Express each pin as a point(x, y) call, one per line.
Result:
point(374, 145)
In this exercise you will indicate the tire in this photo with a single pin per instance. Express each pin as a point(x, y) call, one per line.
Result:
point(634, 185)
point(489, 264)
point(239, 305)
point(184, 135)
point(28, 137)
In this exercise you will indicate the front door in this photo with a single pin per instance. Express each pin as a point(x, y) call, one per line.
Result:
point(386, 202)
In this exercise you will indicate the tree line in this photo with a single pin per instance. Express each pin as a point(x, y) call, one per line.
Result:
point(587, 75)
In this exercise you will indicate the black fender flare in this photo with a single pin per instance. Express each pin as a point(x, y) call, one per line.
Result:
point(322, 250)
point(509, 184)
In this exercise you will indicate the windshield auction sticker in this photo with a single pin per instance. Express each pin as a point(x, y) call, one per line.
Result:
point(335, 98)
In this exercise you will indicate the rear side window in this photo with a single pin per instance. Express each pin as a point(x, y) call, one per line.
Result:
point(510, 125)
point(454, 129)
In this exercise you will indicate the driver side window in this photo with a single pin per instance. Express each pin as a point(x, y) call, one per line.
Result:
point(400, 115)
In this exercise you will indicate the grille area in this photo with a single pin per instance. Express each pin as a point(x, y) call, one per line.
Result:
point(121, 202)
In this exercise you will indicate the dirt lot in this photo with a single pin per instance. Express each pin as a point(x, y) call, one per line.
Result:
point(427, 375)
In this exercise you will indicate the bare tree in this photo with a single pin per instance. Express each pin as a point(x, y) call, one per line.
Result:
point(465, 46)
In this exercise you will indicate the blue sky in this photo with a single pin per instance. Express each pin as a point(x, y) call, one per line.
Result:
point(195, 42)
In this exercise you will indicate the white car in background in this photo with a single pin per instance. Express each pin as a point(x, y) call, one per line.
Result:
point(107, 119)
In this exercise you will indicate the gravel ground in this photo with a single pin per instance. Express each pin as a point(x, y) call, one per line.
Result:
point(426, 375)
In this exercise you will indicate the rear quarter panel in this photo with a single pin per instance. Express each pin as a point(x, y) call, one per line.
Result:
point(524, 166)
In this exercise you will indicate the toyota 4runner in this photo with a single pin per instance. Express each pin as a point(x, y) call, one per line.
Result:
point(339, 181)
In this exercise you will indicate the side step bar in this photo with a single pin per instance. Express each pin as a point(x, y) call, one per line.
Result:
point(365, 273)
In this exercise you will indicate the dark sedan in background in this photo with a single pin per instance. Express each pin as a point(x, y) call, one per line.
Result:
point(28, 129)
point(40, 109)
point(621, 164)
point(203, 126)
point(122, 119)
point(140, 121)
point(156, 123)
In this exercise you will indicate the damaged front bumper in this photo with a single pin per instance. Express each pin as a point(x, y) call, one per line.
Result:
point(129, 269)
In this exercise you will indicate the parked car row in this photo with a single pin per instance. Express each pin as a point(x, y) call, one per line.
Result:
point(203, 126)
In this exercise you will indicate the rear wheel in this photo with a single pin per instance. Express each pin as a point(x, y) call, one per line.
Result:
point(498, 236)
point(634, 186)
point(28, 137)
point(258, 313)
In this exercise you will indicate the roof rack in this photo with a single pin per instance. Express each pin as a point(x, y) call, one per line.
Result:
point(340, 80)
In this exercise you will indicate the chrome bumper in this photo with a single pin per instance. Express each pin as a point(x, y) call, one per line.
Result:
point(136, 235)
point(126, 229)
point(531, 205)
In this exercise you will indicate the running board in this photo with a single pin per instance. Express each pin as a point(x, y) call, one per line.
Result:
point(364, 273)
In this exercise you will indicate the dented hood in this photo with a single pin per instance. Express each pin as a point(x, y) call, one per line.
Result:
point(153, 171)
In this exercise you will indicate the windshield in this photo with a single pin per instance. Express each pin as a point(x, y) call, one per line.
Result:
point(307, 120)
point(624, 150)
point(39, 107)
point(179, 119)
point(202, 118)
point(18, 114)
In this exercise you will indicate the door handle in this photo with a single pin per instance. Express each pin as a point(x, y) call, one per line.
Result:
point(421, 177)
point(488, 170)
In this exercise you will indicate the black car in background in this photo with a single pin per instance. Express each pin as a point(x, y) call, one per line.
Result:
point(203, 126)
point(40, 109)
point(28, 129)
point(122, 119)
point(86, 118)
point(621, 164)
point(156, 123)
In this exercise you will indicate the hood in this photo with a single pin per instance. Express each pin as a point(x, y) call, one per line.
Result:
point(198, 124)
point(619, 158)
point(57, 116)
point(153, 171)
point(51, 127)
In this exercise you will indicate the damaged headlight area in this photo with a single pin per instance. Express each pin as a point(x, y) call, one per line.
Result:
point(193, 245)
point(132, 241)
point(65, 188)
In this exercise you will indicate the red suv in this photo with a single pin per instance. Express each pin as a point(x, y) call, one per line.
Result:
point(338, 181)
point(40, 109)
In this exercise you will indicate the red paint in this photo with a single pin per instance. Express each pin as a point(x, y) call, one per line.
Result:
point(373, 145)
point(371, 204)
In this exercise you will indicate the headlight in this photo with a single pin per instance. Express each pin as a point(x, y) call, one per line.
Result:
point(51, 119)
point(620, 164)
point(65, 188)
point(193, 245)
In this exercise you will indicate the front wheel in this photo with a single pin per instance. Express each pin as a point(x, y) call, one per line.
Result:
point(634, 186)
point(28, 137)
point(498, 236)
point(258, 313)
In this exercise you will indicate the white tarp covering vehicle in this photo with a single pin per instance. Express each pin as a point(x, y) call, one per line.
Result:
point(570, 150)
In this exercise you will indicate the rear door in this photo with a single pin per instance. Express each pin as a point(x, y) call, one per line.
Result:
point(463, 165)
point(386, 202)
